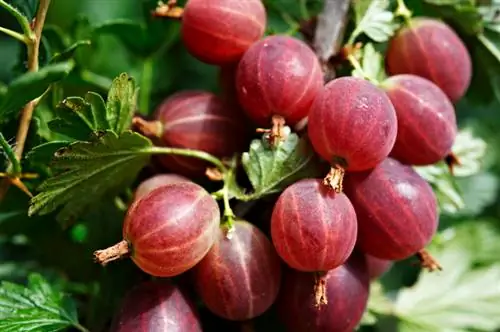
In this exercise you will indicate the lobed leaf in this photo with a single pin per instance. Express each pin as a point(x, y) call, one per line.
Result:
point(30, 86)
point(121, 103)
point(87, 171)
point(374, 19)
point(36, 307)
point(271, 170)
point(469, 150)
point(462, 14)
point(372, 64)
point(459, 298)
point(78, 118)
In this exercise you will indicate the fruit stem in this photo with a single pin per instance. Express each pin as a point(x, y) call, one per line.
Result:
point(320, 289)
point(427, 261)
point(356, 65)
point(151, 129)
point(451, 161)
point(118, 251)
point(335, 178)
point(277, 133)
point(403, 11)
point(189, 153)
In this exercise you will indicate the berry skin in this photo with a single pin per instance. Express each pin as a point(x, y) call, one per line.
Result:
point(201, 121)
point(157, 181)
point(239, 278)
point(396, 209)
point(427, 124)
point(161, 307)
point(312, 227)
point(347, 288)
point(431, 49)
point(220, 31)
point(168, 231)
point(278, 75)
point(377, 267)
point(352, 125)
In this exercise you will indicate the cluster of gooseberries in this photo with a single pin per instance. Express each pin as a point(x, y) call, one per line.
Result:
point(327, 238)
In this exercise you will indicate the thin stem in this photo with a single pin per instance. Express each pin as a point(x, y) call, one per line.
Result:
point(33, 46)
point(23, 21)
point(189, 153)
point(146, 85)
point(356, 65)
point(352, 38)
point(16, 165)
point(228, 211)
point(33, 50)
point(403, 11)
point(16, 35)
point(80, 327)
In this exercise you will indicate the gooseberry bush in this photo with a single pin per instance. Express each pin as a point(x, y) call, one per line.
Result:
point(249, 165)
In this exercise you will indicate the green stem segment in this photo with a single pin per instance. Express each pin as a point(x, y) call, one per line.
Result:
point(80, 327)
point(403, 11)
point(16, 165)
point(16, 35)
point(23, 21)
point(190, 153)
point(355, 63)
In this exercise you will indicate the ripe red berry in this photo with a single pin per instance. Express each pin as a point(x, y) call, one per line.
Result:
point(239, 278)
point(313, 228)
point(220, 31)
point(157, 181)
point(377, 267)
point(431, 49)
point(347, 289)
point(396, 209)
point(156, 307)
point(427, 124)
point(352, 125)
point(168, 231)
point(278, 75)
point(201, 121)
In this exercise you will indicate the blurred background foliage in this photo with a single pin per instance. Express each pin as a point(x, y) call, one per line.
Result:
point(115, 36)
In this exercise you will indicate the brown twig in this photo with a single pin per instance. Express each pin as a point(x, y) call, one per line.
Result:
point(329, 32)
point(27, 113)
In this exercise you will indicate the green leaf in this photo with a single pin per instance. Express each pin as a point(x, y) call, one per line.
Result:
point(470, 151)
point(37, 307)
point(9, 153)
point(374, 19)
point(271, 170)
point(459, 298)
point(378, 304)
point(461, 13)
point(371, 64)
point(478, 191)
point(130, 32)
point(121, 103)
point(68, 53)
point(78, 118)
point(43, 153)
point(90, 170)
point(445, 187)
point(30, 86)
